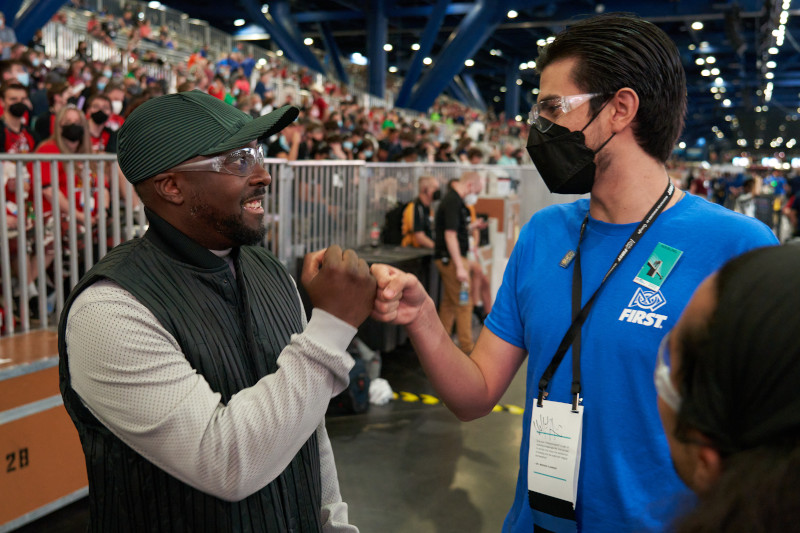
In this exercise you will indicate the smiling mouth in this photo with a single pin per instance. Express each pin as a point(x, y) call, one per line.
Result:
point(256, 204)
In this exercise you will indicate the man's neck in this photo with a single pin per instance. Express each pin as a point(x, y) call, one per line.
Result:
point(94, 129)
point(625, 191)
point(13, 123)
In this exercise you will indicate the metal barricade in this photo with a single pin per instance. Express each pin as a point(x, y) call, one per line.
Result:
point(309, 205)
point(57, 237)
point(319, 205)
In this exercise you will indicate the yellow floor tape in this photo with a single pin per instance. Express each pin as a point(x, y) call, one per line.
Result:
point(427, 399)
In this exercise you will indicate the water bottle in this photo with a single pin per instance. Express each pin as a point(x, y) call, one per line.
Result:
point(375, 235)
point(463, 295)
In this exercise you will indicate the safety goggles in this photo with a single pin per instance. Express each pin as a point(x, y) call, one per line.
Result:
point(664, 387)
point(240, 162)
point(544, 113)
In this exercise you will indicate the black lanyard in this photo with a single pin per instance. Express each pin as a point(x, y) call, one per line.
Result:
point(579, 314)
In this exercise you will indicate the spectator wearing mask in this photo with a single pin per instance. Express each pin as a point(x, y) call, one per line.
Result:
point(289, 144)
point(727, 377)
point(70, 136)
point(98, 111)
point(57, 97)
point(15, 138)
point(116, 94)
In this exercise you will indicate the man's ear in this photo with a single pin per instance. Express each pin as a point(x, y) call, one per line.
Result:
point(624, 106)
point(169, 187)
point(708, 466)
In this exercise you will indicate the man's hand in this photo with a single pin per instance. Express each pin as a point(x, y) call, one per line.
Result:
point(339, 283)
point(400, 296)
point(462, 274)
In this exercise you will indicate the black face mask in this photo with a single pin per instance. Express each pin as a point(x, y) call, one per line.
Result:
point(437, 195)
point(72, 132)
point(99, 117)
point(18, 109)
point(562, 158)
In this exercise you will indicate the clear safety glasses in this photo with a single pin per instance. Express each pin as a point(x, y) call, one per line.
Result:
point(664, 387)
point(544, 113)
point(240, 162)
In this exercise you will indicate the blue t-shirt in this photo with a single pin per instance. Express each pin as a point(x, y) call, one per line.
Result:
point(626, 480)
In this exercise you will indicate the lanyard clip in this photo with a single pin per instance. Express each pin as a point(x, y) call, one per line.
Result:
point(576, 395)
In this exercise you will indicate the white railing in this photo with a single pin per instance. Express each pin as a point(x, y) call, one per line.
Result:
point(309, 205)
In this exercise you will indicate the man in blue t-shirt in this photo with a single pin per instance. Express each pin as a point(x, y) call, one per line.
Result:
point(611, 104)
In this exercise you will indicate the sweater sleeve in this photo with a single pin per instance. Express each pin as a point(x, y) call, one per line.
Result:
point(131, 374)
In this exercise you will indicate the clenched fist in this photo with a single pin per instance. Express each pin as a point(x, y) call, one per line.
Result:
point(339, 283)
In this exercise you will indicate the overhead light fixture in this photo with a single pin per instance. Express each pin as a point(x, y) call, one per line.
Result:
point(705, 72)
point(469, 62)
point(681, 145)
point(512, 14)
point(535, 90)
point(496, 98)
point(502, 89)
point(715, 71)
point(415, 46)
point(387, 47)
point(392, 69)
point(699, 61)
point(771, 64)
point(279, 53)
point(518, 118)
point(519, 82)
point(265, 8)
point(726, 103)
point(238, 22)
point(541, 42)
point(523, 66)
point(711, 60)
point(308, 41)
point(697, 25)
point(427, 60)
point(773, 50)
point(531, 64)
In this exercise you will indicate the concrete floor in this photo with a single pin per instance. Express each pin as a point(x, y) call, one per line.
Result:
point(408, 466)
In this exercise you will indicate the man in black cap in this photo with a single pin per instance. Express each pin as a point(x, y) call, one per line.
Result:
point(195, 383)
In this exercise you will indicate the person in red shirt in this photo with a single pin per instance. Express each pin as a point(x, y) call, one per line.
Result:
point(15, 138)
point(71, 136)
point(217, 88)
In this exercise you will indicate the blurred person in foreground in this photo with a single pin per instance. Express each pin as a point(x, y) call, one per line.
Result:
point(727, 377)
point(591, 286)
point(186, 363)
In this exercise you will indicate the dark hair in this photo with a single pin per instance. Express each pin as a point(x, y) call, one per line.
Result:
point(96, 96)
point(55, 90)
point(619, 50)
point(758, 491)
point(12, 85)
point(474, 152)
point(739, 371)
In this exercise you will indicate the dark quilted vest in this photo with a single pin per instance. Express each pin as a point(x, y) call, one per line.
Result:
point(231, 329)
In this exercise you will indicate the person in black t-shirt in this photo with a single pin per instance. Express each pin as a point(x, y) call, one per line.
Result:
point(452, 224)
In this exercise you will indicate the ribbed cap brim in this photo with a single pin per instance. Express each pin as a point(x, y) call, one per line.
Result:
point(168, 130)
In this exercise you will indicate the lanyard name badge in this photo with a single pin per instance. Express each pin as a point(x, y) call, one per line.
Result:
point(556, 432)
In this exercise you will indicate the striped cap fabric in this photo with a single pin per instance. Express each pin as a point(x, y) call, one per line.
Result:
point(166, 131)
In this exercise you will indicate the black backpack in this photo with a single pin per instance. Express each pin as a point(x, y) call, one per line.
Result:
point(355, 398)
point(392, 232)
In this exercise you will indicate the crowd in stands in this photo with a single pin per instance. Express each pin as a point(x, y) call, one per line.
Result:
point(47, 106)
